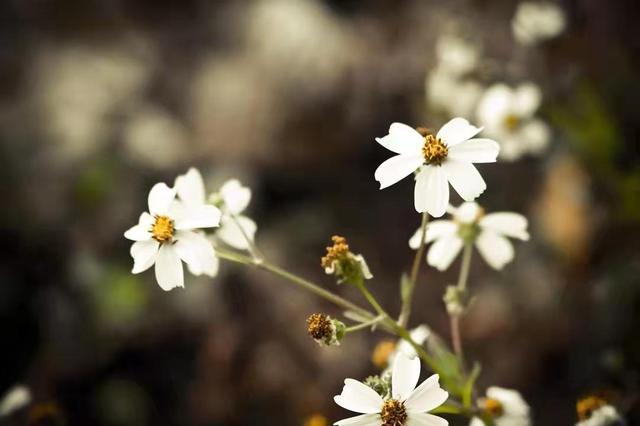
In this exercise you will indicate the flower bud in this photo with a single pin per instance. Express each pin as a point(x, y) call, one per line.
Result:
point(325, 330)
point(343, 264)
point(456, 300)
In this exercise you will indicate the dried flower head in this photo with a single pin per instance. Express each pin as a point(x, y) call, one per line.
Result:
point(325, 330)
point(348, 267)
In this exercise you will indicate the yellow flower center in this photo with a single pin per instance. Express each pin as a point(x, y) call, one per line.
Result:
point(393, 413)
point(511, 122)
point(162, 229)
point(316, 420)
point(493, 407)
point(382, 352)
point(586, 406)
point(319, 326)
point(337, 252)
point(434, 151)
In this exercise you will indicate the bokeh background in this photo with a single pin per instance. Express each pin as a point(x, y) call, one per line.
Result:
point(102, 98)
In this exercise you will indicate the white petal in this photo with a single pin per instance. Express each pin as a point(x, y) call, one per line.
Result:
point(511, 147)
point(443, 251)
point(535, 136)
point(476, 421)
point(141, 231)
point(169, 268)
point(362, 420)
point(465, 179)
point(427, 396)
point(402, 139)
point(236, 197)
point(359, 398)
point(467, 212)
point(424, 419)
point(495, 249)
point(435, 229)
point(190, 187)
point(197, 252)
point(233, 232)
point(404, 376)
point(475, 151)
point(193, 217)
point(456, 131)
point(506, 223)
point(144, 254)
point(494, 105)
point(527, 99)
point(511, 400)
point(14, 399)
point(160, 198)
point(397, 168)
point(431, 193)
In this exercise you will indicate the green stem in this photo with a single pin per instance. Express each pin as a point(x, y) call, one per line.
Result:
point(464, 268)
point(364, 325)
point(407, 297)
point(456, 336)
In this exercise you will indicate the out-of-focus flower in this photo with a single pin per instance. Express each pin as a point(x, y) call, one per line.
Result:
point(471, 225)
point(505, 407)
point(325, 330)
point(236, 229)
point(154, 137)
point(595, 411)
point(534, 22)
point(15, 398)
point(508, 115)
point(167, 235)
point(408, 404)
point(456, 55)
point(347, 267)
point(316, 420)
point(445, 158)
point(449, 93)
point(385, 352)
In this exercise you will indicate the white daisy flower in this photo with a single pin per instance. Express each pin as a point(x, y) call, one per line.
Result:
point(236, 229)
point(534, 22)
point(505, 407)
point(166, 236)
point(445, 158)
point(595, 411)
point(451, 94)
point(14, 399)
point(487, 231)
point(508, 115)
point(408, 405)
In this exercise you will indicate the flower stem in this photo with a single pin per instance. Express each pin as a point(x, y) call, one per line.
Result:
point(407, 297)
point(456, 337)
point(364, 325)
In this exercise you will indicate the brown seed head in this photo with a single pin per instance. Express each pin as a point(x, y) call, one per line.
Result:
point(393, 413)
point(434, 150)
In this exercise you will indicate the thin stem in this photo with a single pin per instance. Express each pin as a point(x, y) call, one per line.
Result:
point(364, 325)
point(456, 336)
point(464, 268)
point(456, 339)
point(407, 298)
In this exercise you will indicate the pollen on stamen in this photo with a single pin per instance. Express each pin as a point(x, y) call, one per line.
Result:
point(393, 413)
point(434, 150)
point(337, 252)
point(586, 406)
point(162, 229)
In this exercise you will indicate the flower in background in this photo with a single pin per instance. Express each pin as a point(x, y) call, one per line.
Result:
point(17, 397)
point(595, 411)
point(408, 404)
point(470, 224)
point(508, 115)
point(457, 55)
point(505, 407)
point(385, 352)
point(445, 158)
point(534, 22)
point(236, 229)
point(316, 420)
point(167, 235)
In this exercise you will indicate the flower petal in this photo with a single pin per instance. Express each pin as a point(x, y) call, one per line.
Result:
point(464, 178)
point(193, 217)
point(190, 187)
point(506, 223)
point(527, 98)
point(235, 196)
point(535, 136)
point(197, 252)
point(424, 419)
point(456, 131)
point(495, 249)
point(397, 168)
point(511, 400)
point(431, 193)
point(169, 268)
point(494, 105)
point(427, 396)
point(140, 232)
point(160, 198)
point(402, 139)
point(144, 254)
point(362, 420)
point(444, 251)
point(359, 398)
point(404, 376)
point(435, 229)
point(235, 232)
point(475, 151)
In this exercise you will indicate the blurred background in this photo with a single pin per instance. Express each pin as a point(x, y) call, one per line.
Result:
point(103, 98)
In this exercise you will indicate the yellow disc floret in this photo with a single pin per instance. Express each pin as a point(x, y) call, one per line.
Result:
point(339, 251)
point(434, 150)
point(393, 413)
point(163, 229)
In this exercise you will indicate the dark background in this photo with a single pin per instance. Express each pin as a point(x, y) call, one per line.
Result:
point(101, 99)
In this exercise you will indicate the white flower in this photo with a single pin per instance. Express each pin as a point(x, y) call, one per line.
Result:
point(606, 415)
point(236, 229)
point(439, 160)
point(487, 231)
point(506, 407)
point(166, 236)
point(14, 399)
point(408, 404)
point(537, 21)
point(451, 94)
point(508, 115)
point(456, 55)
point(420, 334)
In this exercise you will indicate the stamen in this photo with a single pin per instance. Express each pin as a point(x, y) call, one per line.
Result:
point(337, 252)
point(162, 229)
point(393, 413)
point(434, 150)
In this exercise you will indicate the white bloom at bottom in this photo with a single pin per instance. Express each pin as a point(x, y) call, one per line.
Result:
point(408, 405)
point(506, 407)
point(14, 399)
point(167, 235)
point(534, 22)
point(488, 232)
